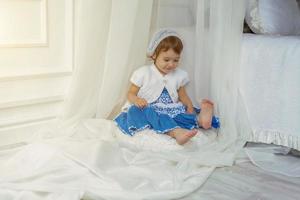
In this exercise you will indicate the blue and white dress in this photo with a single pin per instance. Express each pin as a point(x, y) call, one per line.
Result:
point(162, 115)
point(164, 112)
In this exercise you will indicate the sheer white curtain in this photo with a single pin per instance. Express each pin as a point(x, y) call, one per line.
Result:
point(126, 47)
point(212, 32)
point(221, 51)
point(110, 40)
point(92, 22)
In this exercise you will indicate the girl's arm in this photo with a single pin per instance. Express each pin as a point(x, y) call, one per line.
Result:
point(133, 98)
point(185, 99)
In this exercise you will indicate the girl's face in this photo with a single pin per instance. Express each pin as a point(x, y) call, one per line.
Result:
point(166, 61)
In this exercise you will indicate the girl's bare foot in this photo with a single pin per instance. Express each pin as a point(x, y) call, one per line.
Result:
point(182, 136)
point(206, 114)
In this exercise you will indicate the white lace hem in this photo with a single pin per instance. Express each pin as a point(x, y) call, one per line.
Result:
point(276, 137)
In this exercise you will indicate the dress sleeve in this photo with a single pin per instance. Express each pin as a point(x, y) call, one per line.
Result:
point(184, 79)
point(137, 77)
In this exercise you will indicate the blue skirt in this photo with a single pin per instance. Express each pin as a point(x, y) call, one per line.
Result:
point(137, 119)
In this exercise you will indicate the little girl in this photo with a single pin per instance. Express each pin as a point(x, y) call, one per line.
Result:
point(158, 97)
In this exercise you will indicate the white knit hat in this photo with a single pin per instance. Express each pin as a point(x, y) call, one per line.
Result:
point(158, 37)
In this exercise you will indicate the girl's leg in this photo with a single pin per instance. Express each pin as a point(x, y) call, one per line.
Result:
point(206, 114)
point(182, 136)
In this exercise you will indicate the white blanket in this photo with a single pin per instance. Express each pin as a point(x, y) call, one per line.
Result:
point(96, 162)
point(270, 87)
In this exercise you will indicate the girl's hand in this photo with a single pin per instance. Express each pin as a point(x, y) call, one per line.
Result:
point(140, 102)
point(190, 110)
point(134, 99)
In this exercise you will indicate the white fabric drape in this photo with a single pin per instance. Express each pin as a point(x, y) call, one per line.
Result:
point(92, 22)
point(126, 46)
point(212, 39)
point(110, 38)
point(110, 41)
point(220, 51)
point(116, 48)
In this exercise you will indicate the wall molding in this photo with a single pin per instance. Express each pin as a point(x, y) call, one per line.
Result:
point(21, 134)
point(33, 92)
point(32, 119)
point(29, 112)
point(41, 41)
point(26, 73)
point(12, 146)
point(69, 32)
point(29, 102)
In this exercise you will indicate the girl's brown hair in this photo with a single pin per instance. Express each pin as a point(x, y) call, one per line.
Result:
point(171, 42)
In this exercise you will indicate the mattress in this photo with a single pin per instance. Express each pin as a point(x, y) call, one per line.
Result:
point(270, 87)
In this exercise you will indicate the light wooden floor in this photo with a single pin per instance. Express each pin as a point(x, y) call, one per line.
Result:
point(244, 181)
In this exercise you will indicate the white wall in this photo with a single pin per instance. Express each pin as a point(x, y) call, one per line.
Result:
point(36, 62)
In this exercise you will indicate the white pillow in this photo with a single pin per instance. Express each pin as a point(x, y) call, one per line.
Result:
point(276, 17)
